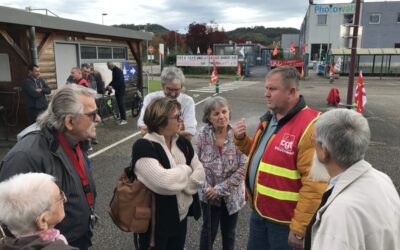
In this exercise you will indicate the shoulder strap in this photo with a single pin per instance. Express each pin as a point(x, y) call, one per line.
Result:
point(186, 147)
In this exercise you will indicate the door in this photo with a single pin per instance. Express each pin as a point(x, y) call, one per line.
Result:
point(66, 58)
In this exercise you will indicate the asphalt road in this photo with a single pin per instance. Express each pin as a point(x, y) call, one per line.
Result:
point(246, 100)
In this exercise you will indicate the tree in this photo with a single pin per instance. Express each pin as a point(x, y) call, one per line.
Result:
point(203, 36)
point(173, 40)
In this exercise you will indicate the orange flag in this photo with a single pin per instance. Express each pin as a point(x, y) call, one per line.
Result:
point(214, 75)
point(360, 97)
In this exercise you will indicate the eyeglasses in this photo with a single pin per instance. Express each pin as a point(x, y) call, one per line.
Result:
point(177, 117)
point(92, 114)
point(170, 90)
point(63, 197)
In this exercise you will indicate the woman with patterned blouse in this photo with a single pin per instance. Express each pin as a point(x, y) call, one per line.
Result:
point(222, 195)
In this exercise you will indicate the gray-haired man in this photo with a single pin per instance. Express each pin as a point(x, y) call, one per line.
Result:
point(172, 80)
point(55, 149)
point(361, 208)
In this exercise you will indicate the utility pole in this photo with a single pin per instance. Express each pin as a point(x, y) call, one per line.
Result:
point(353, 56)
point(175, 43)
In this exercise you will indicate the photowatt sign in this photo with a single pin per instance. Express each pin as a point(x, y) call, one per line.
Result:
point(207, 61)
point(326, 9)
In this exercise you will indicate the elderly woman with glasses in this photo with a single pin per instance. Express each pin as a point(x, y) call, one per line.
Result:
point(165, 162)
point(222, 195)
point(31, 205)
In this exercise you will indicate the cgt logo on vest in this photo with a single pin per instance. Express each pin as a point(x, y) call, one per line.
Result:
point(286, 144)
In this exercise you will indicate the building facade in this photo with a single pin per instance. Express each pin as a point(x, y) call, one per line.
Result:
point(56, 45)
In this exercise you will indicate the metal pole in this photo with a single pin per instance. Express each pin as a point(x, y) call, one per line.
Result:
point(353, 56)
point(175, 44)
point(35, 58)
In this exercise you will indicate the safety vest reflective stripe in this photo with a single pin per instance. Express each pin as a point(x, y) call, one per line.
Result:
point(279, 171)
point(277, 194)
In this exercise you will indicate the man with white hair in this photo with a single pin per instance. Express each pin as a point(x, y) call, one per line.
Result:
point(31, 205)
point(361, 208)
point(118, 84)
point(172, 81)
point(55, 149)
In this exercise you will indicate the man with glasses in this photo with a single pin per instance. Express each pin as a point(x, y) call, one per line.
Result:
point(172, 80)
point(55, 149)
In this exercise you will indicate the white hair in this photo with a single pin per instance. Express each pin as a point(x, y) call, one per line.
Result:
point(173, 75)
point(23, 198)
point(346, 135)
point(64, 102)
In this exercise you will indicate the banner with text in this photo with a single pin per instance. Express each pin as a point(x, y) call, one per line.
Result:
point(207, 61)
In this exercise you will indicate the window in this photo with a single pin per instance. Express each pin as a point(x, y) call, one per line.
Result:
point(5, 72)
point(321, 19)
point(397, 45)
point(105, 53)
point(375, 18)
point(88, 52)
point(102, 52)
point(119, 53)
point(398, 17)
point(348, 18)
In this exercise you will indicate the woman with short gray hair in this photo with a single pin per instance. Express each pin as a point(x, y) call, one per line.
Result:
point(31, 205)
point(222, 195)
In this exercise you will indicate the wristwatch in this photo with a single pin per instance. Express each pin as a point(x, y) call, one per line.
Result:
point(298, 237)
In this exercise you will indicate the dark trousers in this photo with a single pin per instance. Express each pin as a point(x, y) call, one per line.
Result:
point(84, 242)
point(219, 215)
point(166, 241)
point(120, 96)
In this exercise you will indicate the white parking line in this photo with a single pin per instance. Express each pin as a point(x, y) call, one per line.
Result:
point(130, 137)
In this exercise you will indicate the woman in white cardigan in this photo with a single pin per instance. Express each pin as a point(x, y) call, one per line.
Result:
point(167, 165)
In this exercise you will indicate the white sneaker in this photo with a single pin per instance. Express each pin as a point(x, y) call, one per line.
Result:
point(122, 122)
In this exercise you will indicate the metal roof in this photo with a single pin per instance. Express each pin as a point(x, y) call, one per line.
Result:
point(367, 51)
point(22, 17)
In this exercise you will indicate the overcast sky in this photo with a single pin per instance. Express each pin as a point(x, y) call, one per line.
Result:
point(178, 14)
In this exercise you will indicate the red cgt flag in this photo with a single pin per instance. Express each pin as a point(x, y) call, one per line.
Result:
point(275, 52)
point(214, 75)
point(360, 97)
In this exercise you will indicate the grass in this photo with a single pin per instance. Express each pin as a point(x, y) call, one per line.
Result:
point(154, 85)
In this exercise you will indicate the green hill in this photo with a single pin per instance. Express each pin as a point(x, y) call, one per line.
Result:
point(256, 34)
point(157, 29)
point(259, 34)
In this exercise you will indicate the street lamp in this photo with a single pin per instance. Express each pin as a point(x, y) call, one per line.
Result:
point(102, 17)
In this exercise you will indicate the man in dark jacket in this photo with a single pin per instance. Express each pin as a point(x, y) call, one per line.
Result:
point(35, 90)
point(55, 149)
point(118, 84)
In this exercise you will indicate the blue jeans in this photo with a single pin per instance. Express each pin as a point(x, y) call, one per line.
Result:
point(218, 215)
point(267, 235)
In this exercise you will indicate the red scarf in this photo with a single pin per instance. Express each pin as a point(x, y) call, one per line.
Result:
point(77, 160)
